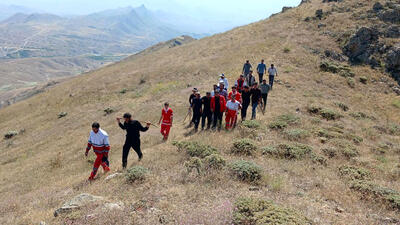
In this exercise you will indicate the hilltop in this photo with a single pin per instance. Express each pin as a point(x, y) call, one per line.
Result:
point(326, 151)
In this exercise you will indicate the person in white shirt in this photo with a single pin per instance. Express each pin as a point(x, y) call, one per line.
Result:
point(232, 108)
point(272, 73)
point(224, 80)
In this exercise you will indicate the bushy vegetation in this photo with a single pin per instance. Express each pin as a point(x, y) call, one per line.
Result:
point(343, 106)
point(214, 161)
point(359, 115)
point(328, 114)
point(396, 103)
point(330, 152)
point(194, 163)
point(354, 173)
point(319, 159)
point(342, 70)
point(10, 134)
point(253, 124)
point(295, 151)
point(136, 174)
point(244, 147)
point(296, 134)
point(351, 82)
point(257, 211)
point(108, 111)
point(195, 149)
point(363, 80)
point(246, 171)
point(282, 121)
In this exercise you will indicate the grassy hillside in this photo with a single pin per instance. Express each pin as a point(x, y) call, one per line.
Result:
point(329, 163)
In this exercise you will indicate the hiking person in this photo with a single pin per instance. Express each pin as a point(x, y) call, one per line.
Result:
point(98, 139)
point(215, 89)
point(234, 92)
point(232, 109)
point(224, 80)
point(250, 79)
point(207, 114)
point(272, 73)
point(240, 83)
point(133, 129)
point(222, 90)
point(167, 117)
point(218, 106)
point(261, 69)
point(191, 97)
point(197, 111)
point(246, 68)
point(246, 95)
point(255, 100)
point(264, 87)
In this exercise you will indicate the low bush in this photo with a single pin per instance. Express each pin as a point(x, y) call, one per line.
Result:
point(354, 173)
point(319, 159)
point(359, 115)
point(293, 151)
point(270, 150)
point(286, 50)
point(108, 111)
point(342, 70)
point(296, 134)
point(330, 114)
point(10, 134)
point(214, 161)
point(363, 80)
point(347, 149)
point(351, 82)
point(282, 121)
point(195, 149)
point(244, 147)
point(396, 103)
point(330, 152)
point(194, 163)
point(257, 211)
point(314, 109)
point(246, 171)
point(123, 91)
point(277, 125)
point(343, 106)
point(136, 174)
point(254, 124)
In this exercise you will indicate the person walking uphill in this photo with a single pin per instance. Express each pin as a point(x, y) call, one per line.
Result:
point(245, 102)
point(255, 100)
point(246, 68)
point(264, 93)
point(207, 114)
point(167, 116)
point(261, 69)
point(197, 111)
point(272, 73)
point(191, 97)
point(218, 106)
point(232, 108)
point(98, 139)
point(133, 129)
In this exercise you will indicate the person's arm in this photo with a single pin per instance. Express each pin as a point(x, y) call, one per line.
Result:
point(120, 124)
point(89, 146)
point(144, 129)
point(159, 122)
point(107, 143)
point(276, 72)
point(172, 119)
point(244, 67)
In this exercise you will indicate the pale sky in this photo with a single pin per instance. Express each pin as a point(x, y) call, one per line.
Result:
point(244, 11)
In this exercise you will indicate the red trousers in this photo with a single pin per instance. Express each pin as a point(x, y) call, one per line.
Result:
point(165, 130)
point(101, 159)
point(230, 118)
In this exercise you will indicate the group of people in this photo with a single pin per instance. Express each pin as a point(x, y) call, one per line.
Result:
point(209, 110)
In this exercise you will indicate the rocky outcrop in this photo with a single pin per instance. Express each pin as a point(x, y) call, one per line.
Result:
point(286, 8)
point(393, 62)
point(77, 203)
point(362, 45)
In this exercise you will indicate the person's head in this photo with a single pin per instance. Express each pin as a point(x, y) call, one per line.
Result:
point(247, 61)
point(264, 81)
point(255, 85)
point(234, 89)
point(246, 88)
point(221, 85)
point(262, 60)
point(222, 76)
point(95, 127)
point(127, 117)
point(166, 105)
point(251, 72)
point(208, 94)
point(194, 90)
point(233, 97)
point(241, 76)
point(215, 87)
point(198, 94)
point(272, 65)
point(217, 94)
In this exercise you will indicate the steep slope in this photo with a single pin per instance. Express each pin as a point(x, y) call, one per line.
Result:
point(351, 178)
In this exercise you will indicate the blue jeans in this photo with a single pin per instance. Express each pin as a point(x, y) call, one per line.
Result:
point(271, 80)
point(254, 110)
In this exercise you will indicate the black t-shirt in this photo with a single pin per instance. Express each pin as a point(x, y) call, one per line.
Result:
point(133, 129)
point(246, 97)
point(197, 105)
point(206, 103)
point(191, 97)
point(217, 104)
point(255, 95)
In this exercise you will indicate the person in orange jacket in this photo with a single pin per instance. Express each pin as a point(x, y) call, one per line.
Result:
point(218, 107)
point(167, 116)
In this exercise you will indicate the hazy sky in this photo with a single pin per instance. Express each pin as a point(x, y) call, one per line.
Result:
point(244, 10)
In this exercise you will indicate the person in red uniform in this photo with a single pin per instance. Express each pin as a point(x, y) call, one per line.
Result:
point(218, 106)
point(238, 97)
point(167, 116)
point(98, 139)
point(232, 109)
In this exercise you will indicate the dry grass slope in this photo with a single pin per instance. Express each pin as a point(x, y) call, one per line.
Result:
point(44, 166)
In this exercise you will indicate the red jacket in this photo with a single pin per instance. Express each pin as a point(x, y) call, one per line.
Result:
point(222, 103)
point(238, 96)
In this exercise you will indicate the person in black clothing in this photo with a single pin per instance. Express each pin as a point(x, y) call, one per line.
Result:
point(245, 101)
point(206, 101)
point(133, 129)
point(197, 110)
point(255, 100)
point(191, 97)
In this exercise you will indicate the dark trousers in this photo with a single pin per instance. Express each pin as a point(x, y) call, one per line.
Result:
point(105, 160)
point(135, 144)
point(244, 110)
point(260, 77)
point(217, 119)
point(254, 110)
point(265, 98)
point(208, 116)
point(196, 119)
point(271, 80)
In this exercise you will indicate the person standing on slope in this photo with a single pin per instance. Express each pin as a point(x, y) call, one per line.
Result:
point(232, 109)
point(191, 97)
point(167, 117)
point(240, 83)
point(207, 114)
point(255, 100)
point(261, 69)
point(246, 68)
point(222, 90)
point(98, 139)
point(133, 129)
point(250, 79)
point(238, 97)
point(245, 102)
point(218, 105)
point(264, 93)
point(225, 81)
point(272, 73)
point(197, 111)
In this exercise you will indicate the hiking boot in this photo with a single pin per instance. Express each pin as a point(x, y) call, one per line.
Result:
point(91, 178)
point(140, 157)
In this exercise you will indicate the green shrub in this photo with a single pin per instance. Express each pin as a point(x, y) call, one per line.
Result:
point(364, 80)
point(343, 106)
point(62, 114)
point(356, 139)
point(246, 171)
point(354, 173)
point(291, 151)
point(108, 111)
point(277, 125)
point(270, 150)
point(136, 174)
point(346, 148)
point(330, 152)
point(286, 50)
point(296, 134)
point(328, 134)
point(382, 148)
point(244, 147)
point(282, 121)
point(314, 109)
point(10, 134)
point(330, 114)
point(393, 129)
point(396, 103)
point(194, 163)
point(257, 211)
point(214, 161)
point(123, 91)
point(254, 124)
point(351, 82)
point(319, 159)
point(195, 149)
point(359, 115)
point(342, 70)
